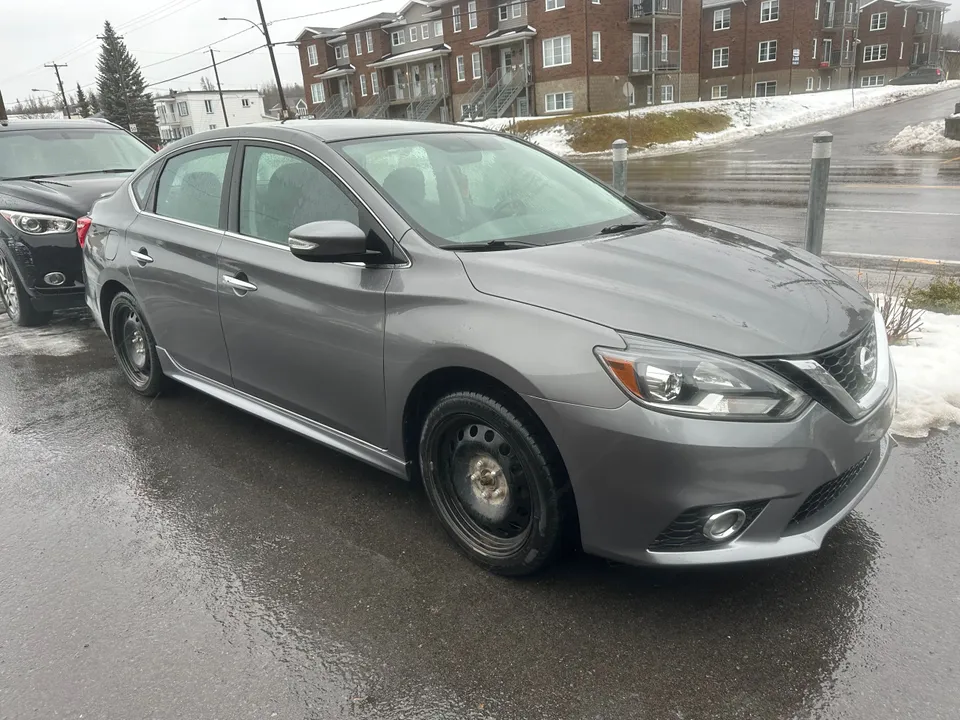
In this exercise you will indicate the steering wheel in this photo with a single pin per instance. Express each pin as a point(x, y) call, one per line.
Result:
point(509, 206)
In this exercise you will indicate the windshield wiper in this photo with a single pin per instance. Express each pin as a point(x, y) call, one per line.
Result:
point(71, 174)
point(488, 245)
point(622, 227)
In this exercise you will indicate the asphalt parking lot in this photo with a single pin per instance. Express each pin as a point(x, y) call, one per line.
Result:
point(175, 558)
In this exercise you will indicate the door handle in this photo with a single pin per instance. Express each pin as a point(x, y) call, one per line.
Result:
point(239, 285)
point(141, 256)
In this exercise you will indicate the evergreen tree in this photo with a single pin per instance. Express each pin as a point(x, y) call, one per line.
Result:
point(83, 107)
point(94, 102)
point(121, 88)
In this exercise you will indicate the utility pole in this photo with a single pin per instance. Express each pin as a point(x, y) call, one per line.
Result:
point(56, 69)
point(223, 105)
point(284, 112)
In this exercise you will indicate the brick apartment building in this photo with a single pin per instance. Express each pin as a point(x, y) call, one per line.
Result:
point(779, 47)
point(449, 60)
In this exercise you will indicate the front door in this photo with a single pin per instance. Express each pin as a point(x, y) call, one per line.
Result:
point(170, 252)
point(305, 336)
point(345, 92)
point(432, 79)
point(641, 53)
point(415, 75)
point(827, 50)
point(400, 82)
point(506, 63)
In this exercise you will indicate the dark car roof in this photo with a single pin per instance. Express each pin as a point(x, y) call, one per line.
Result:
point(79, 124)
point(334, 130)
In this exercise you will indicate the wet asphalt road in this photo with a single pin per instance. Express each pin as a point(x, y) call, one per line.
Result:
point(175, 558)
point(879, 203)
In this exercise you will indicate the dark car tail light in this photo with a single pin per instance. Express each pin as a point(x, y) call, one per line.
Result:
point(83, 224)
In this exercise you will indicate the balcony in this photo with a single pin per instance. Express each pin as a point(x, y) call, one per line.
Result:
point(838, 59)
point(926, 26)
point(648, 10)
point(657, 61)
point(410, 92)
point(841, 20)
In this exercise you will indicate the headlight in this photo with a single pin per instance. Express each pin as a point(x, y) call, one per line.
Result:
point(688, 381)
point(35, 224)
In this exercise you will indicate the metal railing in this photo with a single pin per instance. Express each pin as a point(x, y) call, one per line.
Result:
point(336, 106)
point(926, 26)
point(838, 58)
point(500, 89)
point(840, 19)
point(655, 60)
point(643, 9)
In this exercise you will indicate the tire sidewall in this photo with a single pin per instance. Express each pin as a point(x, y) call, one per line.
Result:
point(543, 539)
point(155, 379)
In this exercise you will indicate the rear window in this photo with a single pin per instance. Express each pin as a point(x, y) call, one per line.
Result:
point(54, 152)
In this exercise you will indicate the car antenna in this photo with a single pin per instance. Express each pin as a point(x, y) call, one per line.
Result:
point(3, 112)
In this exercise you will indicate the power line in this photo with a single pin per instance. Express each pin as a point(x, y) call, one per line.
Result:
point(205, 67)
point(198, 49)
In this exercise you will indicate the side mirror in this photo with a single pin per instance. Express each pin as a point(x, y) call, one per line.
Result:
point(328, 241)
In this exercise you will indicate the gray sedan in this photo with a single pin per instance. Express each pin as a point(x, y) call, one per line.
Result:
point(559, 366)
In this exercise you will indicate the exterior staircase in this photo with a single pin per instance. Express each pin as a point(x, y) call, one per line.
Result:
point(432, 94)
point(376, 108)
point(336, 106)
point(498, 93)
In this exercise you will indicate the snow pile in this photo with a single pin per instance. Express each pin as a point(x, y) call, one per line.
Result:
point(929, 394)
point(749, 116)
point(922, 138)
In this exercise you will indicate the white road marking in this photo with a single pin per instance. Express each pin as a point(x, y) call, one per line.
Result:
point(894, 212)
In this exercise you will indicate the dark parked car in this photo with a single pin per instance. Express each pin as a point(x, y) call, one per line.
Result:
point(553, 360)
point(920, 76)
point(51, 172)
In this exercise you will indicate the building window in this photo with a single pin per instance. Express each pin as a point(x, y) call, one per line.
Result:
point(649, 94)
point(664, 47)
point(413, 33)
point(456, 18)
point(363, 85)
point(721, 19)
point(816, 10)
point(374, 83)
point(208, 106)
point(559, 102)
point(878, 21)
point(875, 53)
point(464, 111)
point(666, 94)
point(472, 14)
point(187, 131)
point(814, 48)
point(341, 52)
point(475, 65)
point(872, 81)
point(245, 102)
point(810, 83)
point(516, 10)
point(901, 51)
point(438, 28)
point(369, 41)
point(769, 10)
point(425, 31)
point(721, 57)
point(556, 51)
point(397, 38)
point(556, 4)
point(182, 109)
point(765, 89)
point(596, 47)
point(316, 93)
point(358, 43)
point(312, 58)
point(595, 2)
point(768, 51)
point(719, 92)
point(502, 13)
point(461, 69)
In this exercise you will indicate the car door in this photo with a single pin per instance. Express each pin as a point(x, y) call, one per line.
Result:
point(170, 253)
point(306, 336)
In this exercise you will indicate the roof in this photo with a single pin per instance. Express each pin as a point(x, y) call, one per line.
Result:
point(313, 32)
point(177, 93)
point(81, 123)
point(717, 3)
point(377, 19)
point(419, 54)
point(498, 37)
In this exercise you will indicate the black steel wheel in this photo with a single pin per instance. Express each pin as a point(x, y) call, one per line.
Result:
point(134, 347)
point(495, 479)
point(16, 301)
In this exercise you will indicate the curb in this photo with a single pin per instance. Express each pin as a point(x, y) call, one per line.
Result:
point(889, 263)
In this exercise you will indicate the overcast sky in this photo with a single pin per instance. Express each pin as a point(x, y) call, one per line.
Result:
point(34, 32)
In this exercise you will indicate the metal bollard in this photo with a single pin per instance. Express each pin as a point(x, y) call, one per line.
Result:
point(819, 181)
point(620, 166)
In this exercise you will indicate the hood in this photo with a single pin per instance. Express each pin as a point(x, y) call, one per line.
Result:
point(68, 196)
point(688, 281)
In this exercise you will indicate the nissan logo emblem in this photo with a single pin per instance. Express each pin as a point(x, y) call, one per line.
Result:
point(867, 361)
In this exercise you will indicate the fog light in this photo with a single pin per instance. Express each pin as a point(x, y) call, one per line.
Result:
point(724, 525)
point(54, 278)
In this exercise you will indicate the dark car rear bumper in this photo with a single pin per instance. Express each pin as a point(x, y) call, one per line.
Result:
point(61, 300)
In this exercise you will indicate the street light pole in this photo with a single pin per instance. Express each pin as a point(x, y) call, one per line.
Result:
point(284, 113)
point(223, 105)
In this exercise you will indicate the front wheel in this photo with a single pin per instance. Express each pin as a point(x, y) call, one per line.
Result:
point(16, 301)
point(496, 481)
point(134, 347)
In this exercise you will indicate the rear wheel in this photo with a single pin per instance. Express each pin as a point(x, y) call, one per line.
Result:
point(134, 347)
point(16, 301)
point(496, 481)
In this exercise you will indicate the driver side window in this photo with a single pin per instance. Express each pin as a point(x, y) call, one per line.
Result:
point(280, 191)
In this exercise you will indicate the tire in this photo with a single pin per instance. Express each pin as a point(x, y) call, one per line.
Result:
point(496, 481)
point(16, 302)
point(134, 347)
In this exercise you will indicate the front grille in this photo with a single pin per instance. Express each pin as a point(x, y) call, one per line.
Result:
point(822, 502)
point(685, 533)
point(846, 365)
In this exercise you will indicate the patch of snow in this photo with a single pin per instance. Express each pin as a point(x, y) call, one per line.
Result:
point(922, 138)
point(52, 340)
point(749, 116)
point(929, 394)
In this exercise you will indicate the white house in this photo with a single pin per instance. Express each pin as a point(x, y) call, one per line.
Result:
point(187, 112)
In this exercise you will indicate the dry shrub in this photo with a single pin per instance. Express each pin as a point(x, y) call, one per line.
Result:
point(900, 317)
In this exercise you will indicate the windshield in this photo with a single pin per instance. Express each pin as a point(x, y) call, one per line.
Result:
point(55, 152)
point(459, 188)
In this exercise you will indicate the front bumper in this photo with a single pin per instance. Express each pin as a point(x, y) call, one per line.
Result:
point(634, 472)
